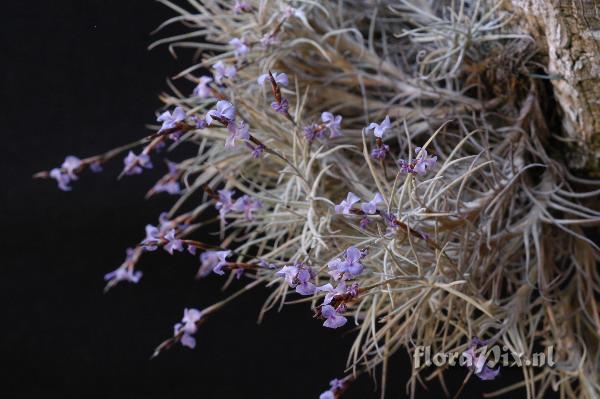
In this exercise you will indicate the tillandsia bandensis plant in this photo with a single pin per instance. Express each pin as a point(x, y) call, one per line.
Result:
point(388, 163)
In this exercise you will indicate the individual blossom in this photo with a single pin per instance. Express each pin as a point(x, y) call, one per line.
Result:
point(134, 164)
point(333, 319)
point(221, 261)
point(211, 260)
point(478, 363)
point(279, 77)
point(225, 203)
point(122, 273)
point(61, 178)
point(237, 131)
point(313, 132)
point(171, 120)
point(371, 207)
point(240, 49)
point(335, 386)
point(345, 206)
point(223, 71)
point(70, 165)
point(257, 151)
point(298, 276)
point(349, 267)
point(380, 151)
point(187, 328)
point(203, 90)
point(342, 289)
point(224, 112)
point(364, 222)
point(332, 123)
point(247, 205)
point(380, 128)
point(420, 164)
point(155, 234)
point(66, 173)
point(96, 167)
point(281, 106)
point(241, 7)
point(173, 243)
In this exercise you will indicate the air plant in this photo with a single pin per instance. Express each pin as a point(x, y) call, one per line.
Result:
point(385, 179)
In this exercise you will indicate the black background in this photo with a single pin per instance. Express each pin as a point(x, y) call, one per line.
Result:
point(80, 81)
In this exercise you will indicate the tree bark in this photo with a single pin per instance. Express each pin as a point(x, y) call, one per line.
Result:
point(569, 32)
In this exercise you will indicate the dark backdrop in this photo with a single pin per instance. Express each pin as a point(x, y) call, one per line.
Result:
point(80, 81)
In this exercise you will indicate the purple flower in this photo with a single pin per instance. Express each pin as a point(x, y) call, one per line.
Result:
point(349, 267)
point(298, 276)
point(371, 207)
point(224, 110)
point(247, 205)
point(280, 78)
point(313, 132)
point(70, 165)
point(478, 363)
point(150, 243)
point(282, 107)
point(237, 131)
point(122, 273)
point(61, 178)
point(210, 260)
point(188, 327)
point(66, 173)
point(241, 6)
point(380, 128)
point(423, 161)
point(345, 206)
point(203, 90)
point(268, 40)
point(225, 204)
point(304, 277)
point(364, 222)
point(341, 289)
point(289, 274)
point(223, 71)
point(333, 318)
point(216, 259)
point(239, 48)
point(380, 151)
point(257, 151)
point(134, 163)
point(171, 120)
point(420, 164)
point(333, 123)
point(335, 386)
point(173, 243)
point(96, 167)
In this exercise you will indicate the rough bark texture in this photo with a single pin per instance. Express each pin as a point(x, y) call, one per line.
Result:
point(569, 31)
